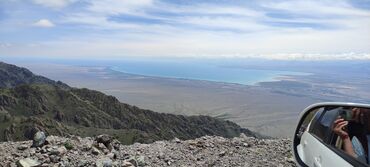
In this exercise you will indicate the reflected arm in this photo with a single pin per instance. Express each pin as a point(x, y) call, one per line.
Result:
point(347, 146)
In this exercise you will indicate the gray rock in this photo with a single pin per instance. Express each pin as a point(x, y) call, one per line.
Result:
point(133, 161)
point(95, 151)
point(104, 163)
point(58, 151)
point(16, 155)
point(104, 139)
point(76, 138)
point(39, 139)
point(51, 139)
point(81, 162)
point(32, 151)
point(87, 145)
point(22, 147)
point(112, 155)
point(43, 150)
point(177, 140)
point(45, 165)
point(140, 160)
point(54, 158)
point(161, 155)
point(116, 144)
point(27, 162)
point(127, 164)
point(246, 145)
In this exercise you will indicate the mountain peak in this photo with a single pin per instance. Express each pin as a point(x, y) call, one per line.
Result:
point(12, 76)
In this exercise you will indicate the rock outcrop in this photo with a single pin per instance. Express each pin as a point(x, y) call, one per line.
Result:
point(105, 151)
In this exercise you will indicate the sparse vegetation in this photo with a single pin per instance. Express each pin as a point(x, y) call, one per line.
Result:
point(68, 145)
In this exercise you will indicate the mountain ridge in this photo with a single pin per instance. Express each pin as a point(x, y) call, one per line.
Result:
point(12, 75)
point(29, 103)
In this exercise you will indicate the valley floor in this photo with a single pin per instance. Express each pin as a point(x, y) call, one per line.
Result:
point(253, 107)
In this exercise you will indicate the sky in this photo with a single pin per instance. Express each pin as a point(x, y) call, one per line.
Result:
point(273, 29)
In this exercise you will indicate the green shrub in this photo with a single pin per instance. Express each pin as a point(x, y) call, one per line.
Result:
point(68, 145)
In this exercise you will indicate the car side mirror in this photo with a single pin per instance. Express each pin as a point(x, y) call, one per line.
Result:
point(333, 134)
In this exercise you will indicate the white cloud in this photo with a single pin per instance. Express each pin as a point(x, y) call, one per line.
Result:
point(53, 3)
point(316, 56)
point(97, 12)
point(5, 45)
point(118, 6)
point(43, 23)
point(313, 29)
point(317, 8)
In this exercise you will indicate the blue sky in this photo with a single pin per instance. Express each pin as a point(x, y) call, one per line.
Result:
point(277, 29)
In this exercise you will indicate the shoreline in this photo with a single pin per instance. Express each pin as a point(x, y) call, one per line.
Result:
point(276, 78)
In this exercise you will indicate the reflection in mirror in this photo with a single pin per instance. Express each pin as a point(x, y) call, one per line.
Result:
point(345, 130)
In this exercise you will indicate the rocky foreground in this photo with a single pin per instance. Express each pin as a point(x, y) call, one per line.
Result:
point(105, 151)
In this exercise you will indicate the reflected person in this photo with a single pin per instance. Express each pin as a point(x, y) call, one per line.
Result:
point(353, 130)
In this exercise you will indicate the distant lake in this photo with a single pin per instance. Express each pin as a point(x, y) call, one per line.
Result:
point(199, 71)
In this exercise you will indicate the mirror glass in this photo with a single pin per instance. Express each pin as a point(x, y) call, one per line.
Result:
point(334, 132)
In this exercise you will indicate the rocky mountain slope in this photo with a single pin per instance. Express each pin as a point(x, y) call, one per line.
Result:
point(103, 151)
point(30, 103)
point(11, 76)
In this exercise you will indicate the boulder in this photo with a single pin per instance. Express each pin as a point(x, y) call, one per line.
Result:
point(22, 147)
point(39, 139)
point(27, 162)
point(104, 139)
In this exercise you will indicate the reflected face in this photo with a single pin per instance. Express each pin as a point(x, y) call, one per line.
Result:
point(359, 115)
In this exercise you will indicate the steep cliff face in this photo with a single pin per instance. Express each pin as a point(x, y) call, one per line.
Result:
point(38, 103)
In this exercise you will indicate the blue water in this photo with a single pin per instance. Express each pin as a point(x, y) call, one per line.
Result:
point(199, 71)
